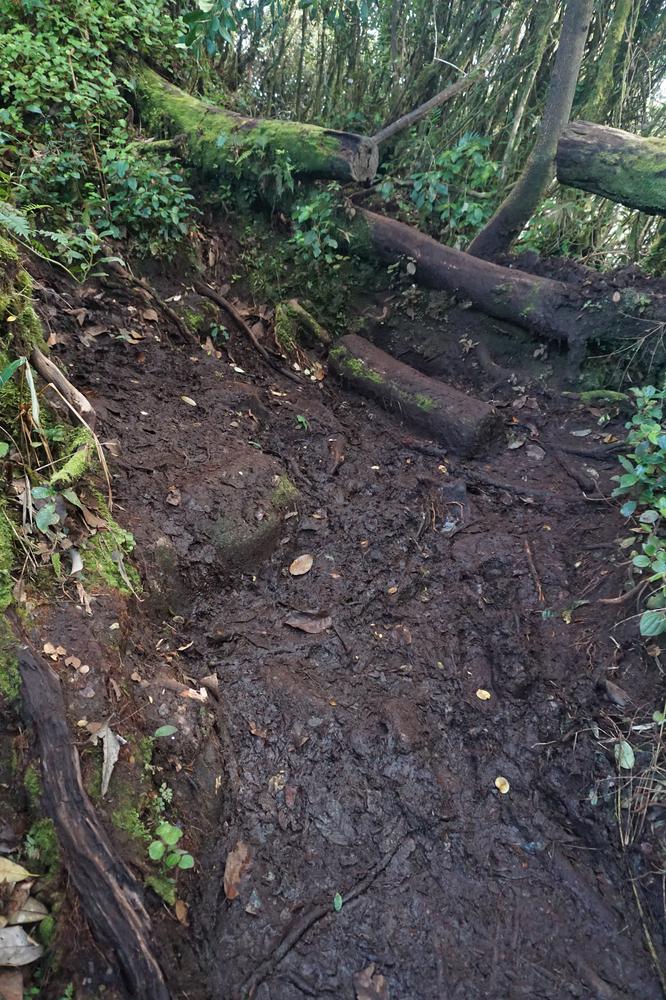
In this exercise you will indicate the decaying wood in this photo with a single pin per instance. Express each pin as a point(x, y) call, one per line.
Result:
point(110, 895)
point(51, 373)
point(215, 136)
point(467, 426)
point(621, 166)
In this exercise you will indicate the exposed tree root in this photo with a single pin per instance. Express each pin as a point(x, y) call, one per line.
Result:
point(51, 373)
point(185, 333)
point(109, 894)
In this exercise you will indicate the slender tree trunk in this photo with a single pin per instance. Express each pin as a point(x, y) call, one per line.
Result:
point(543, 34)
point(517, 209)
point(602, 88)
point(301, 58)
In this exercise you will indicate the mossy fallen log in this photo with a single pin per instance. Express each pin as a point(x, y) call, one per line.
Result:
point(569, 313)
point(621, 166)
point(464, 424)
point(220, 141)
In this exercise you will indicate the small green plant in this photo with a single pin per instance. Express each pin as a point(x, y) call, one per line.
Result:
point(302, 422)
point(644, 481)
point(317, 231)
point(163, 849)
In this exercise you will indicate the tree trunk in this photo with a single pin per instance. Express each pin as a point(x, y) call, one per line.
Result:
point(217, 138)
point(568, 313)
point(465, 425)
point(618, 165)
point(602, 88)
point(516, 210)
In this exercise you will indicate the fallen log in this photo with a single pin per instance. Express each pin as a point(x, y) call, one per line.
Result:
point(109, 894)
point(217, 139)
point(626, 168)
point(571, 314)
point(467, 426)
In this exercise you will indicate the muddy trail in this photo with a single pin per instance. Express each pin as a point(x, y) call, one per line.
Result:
point(339, 775)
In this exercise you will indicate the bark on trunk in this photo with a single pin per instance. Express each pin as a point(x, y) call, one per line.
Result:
point(217, 138)
point(109, 894)
point(517, 209)
point(467, 426)
point(558, 311)
point(618, 165)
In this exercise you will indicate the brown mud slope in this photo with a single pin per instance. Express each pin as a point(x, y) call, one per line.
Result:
point(358, 758)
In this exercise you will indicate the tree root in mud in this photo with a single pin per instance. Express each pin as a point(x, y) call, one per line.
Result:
point(110, 896)
point(312, 916)
point(73, 396)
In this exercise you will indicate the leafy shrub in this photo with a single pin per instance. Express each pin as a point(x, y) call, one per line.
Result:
point(317, 230)
point(65, 144)
point(644, 480)
point(454, 197)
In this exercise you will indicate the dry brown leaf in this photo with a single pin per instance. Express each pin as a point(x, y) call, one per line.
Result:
point(11, 985)
point(312, 622)
point(16, 948)
point(182, 909)
point(150, 315)
point(238, 861)
point(371, 985)
point(10, 872)
point(301, 565)
point(73, 661)
point(93, 520)
point(257, 731)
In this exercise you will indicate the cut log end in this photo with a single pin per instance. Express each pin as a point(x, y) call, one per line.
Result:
point(466, 425)
point(363, 164)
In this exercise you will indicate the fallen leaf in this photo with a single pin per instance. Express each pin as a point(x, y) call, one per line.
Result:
point(254, 904)
point(257, 731)
point(188, 400)
point(93, 520)
point(502, 785)
point(238, 861)
point(150, 315)
point(535, 451)
point(482, 694)
point(581, 434)
point(392, 590)
point(31, 912)
point(111, 745)
point(173, 496)
point(16, 948)
point(73, 661)
point(301, 565)
point(10, 872)
point(11, 985)
point(617, 694)
point(277, 782)
point(312, 622)
point(181, 909)
point(370, 985)
point(624, 755)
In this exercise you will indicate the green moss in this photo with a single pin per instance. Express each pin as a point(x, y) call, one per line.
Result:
point(164, 886)
point(10, 678)
point(42, 846)
point(78, 455)
point(8, 252)
point(285, 328)
point(127, 819)
point(46, 930)
point(285, 493)
point(106, 556)
point(33, 786)
point(144, 752)
point(6, 557)
point(424, 402)
point(354, 366)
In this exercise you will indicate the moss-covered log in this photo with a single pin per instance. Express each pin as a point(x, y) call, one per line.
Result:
point(569, 313)
point(466, 425)
point(621, 166)
point(217, 139)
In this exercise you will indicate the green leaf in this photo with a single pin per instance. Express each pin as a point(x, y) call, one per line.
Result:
point(642, 562)
point(42, 492)
point(165, 731)
point(156, 850)
point(170, 834)
point(624, 755)
point(652, 623)
point(337, 902)
point(186, 861)
point(7, 372)
point(628, 508)
point(172, 859)
point(4, 449)
point(46, 517)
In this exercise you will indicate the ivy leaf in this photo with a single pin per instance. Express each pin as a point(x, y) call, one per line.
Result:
point(46, 517)
point(653, 623)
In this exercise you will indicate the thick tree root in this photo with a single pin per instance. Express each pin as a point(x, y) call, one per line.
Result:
point(466, 425)
point(51, 373)
point(109, 894)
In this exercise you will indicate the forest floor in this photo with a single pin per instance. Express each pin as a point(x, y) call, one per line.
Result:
point(456, 637)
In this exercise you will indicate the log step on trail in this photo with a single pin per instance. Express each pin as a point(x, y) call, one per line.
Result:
point(466, 425)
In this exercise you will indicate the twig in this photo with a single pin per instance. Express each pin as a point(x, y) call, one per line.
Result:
point(533, 571)
point(210, 293)
point(51, 373)
point(312, 916)
point(170, 313)
point(623, 598)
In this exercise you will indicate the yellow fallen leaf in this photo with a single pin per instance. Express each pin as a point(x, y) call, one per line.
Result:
point(502, 785)
point(482, 694)
point(392, 590)
point(188, 400)
point(301, 565)
point(9, 872)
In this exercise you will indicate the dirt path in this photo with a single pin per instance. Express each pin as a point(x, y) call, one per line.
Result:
point(361, 757)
